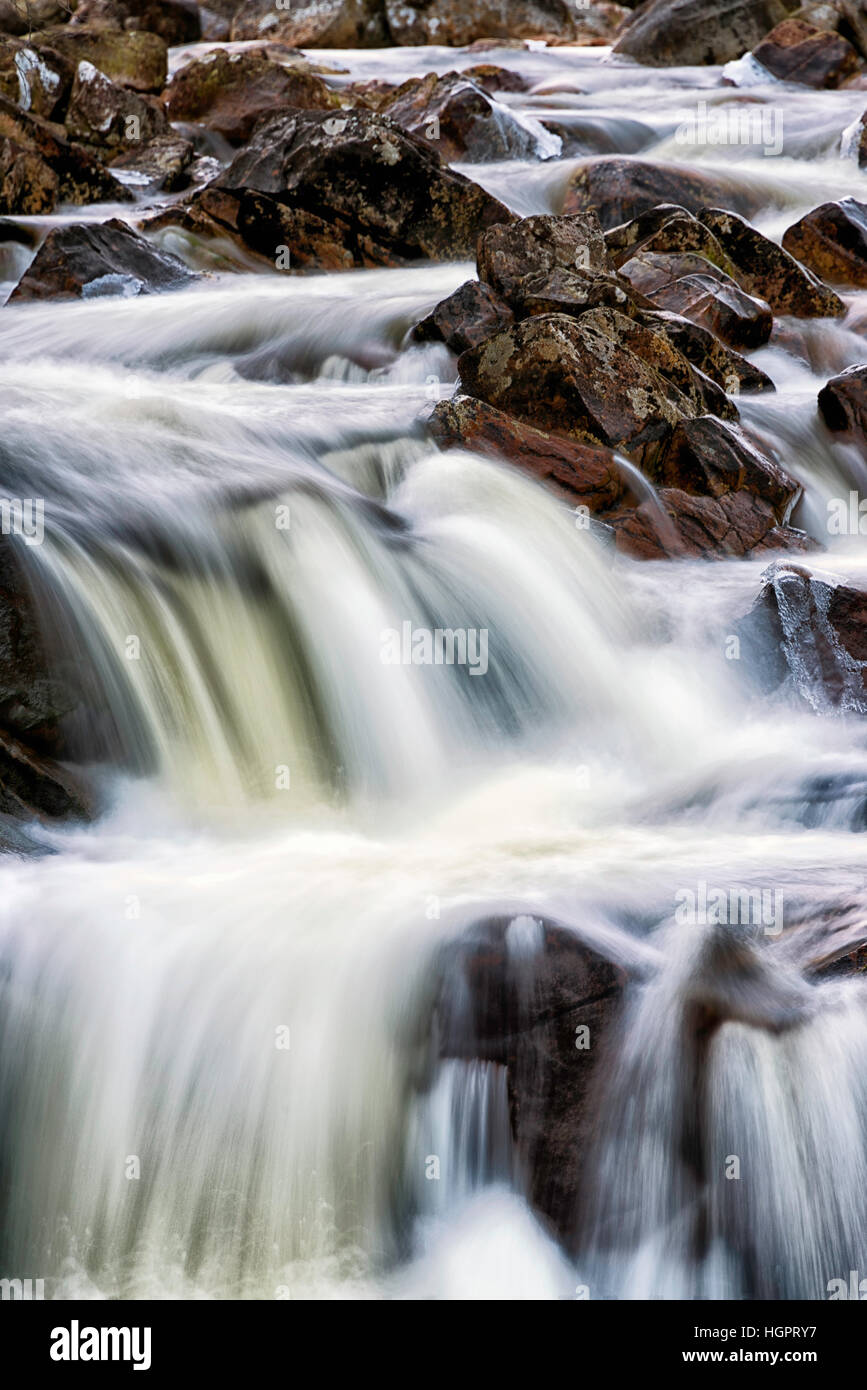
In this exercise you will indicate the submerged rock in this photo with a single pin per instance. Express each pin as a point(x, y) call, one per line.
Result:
point(669, 33)
point(89, 260)
point(799, 52)
point(582, 474)
point(832, 241)
point(619, 189)
point(229, 93)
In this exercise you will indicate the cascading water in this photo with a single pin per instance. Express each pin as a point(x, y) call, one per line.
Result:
point(218, 1072)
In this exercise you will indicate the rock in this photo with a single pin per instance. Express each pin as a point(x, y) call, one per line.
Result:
point(373, 94)
point(832, 241)
point(103, 114)
point(375, 184)
point(36, 694)
point(27, 16)
point(39, 167)
point(229, 93)
point(798, 52)
point(735, 374)
point(682, 525)
point(131, 58)
point(87, 260)
point(160, 165)
point(466, 318)
point(37, 82)
point(506, 254)
point(769, 272)
point(313, 23)
point(709, 457)
point(493, 79)
point(459, 23)
point(679, 33)
point(577, 377)
point(580, 473)
point(807, 633)
point(619, 190)
point(174, 21)
point(464, 123)
point(843, 405)
point(667, 229)
point(573, 292)
point(517, 991)
point(705, 295)
point(35, 786)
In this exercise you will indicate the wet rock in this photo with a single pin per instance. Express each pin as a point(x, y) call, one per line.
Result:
point(669, 230)
point(506, 254)
point(160, 165)
point(832, 241)
point(34, 786)
point(132, 58)
point(104, 114)
point(174, 21)
point(88, 260)
point(313, 23)
point(843, 405)
point(807, 633)
point(464, 123)
point(466, 318)
point(669, 33)
point(685, 526)
point(735, 374)
point(493, 79)
point(229, 93)
point(39, 167)
point(373, 94)
point(580, 473)
point(573, 292)
point(577, 377)
point(799, 52)
point(37, 82)
point(458, 23)
point(36, 694)
point(709, 457)
point(769, 272)
point(531, 995)
point(27, 16)
point(619, 190)
point(375, 184)
point(705, 295)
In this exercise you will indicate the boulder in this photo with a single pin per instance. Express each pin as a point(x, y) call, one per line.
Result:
point(493, 79)
point(843, 405)
point(690, 286)
point(101, 113)
point(577, 377)
point(768, 271)
point(529, 994)
point(506, 254)
point(799, 52)
point(709, 457)
point(619, 190)
point(39, 167)
point(735, 374)
point(33, 786)
point(464, 123)
point(581, 474)
point(573, 292)
point(673, 33)
point(89, 260)
point(175, 21)
point(229, 93)
point(132, 58)
point(160, 165)
point(36, 693)
point(681, 525)
point(37, 82)
point(807, 633)
point(27, 16)
point(375, 184)
point(832, 241)
point(466, 318)
point(458, 23)
point(669, 230)
point(313, 23)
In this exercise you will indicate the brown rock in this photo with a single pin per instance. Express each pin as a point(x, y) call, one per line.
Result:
point(709, 457)
point(132, 58)
point(174, 21)
point(704, 294)
point(492, 78)
point(683, 525)
point(619, 189)
point(843, 404)
point(670, 230)
point(86, 260)
point(459, 23)
point(466, 318)
point(463, 122)
point(32, 785)
point(508, 253)
point(669, 33)
point(101, 113)
point(735, 374)
point(832, 241)
point(768, 271)
point(39, 166)
point(573, 292)
point(161, 164)
point(37, 82)
point(580, 473)
point(798, 52)
point(27, 16)
point(229, 93)
point(313, 23)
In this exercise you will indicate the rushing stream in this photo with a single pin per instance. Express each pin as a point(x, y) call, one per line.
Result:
point(216, 1069)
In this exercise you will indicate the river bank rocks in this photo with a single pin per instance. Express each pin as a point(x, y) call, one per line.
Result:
point(832, 241)
point(529, 995)
point(92, 260)
point(229, 93)
point(40, 167)
point(669, 33)
point(619, 189)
